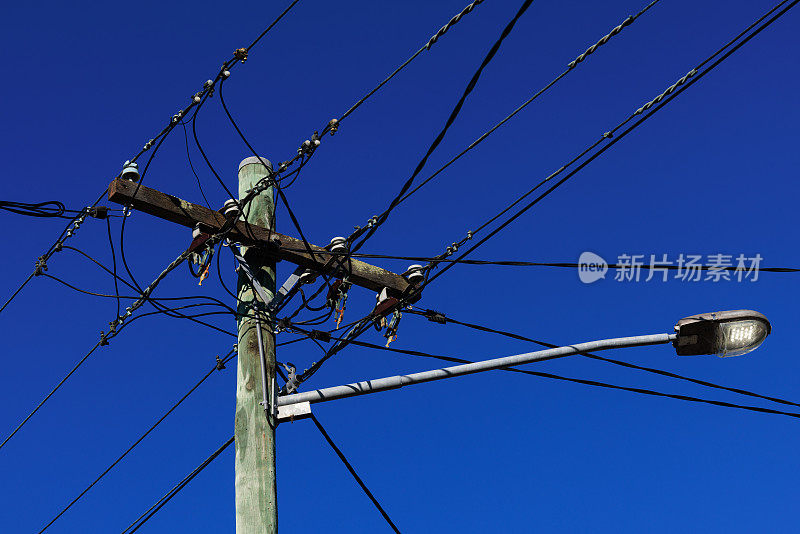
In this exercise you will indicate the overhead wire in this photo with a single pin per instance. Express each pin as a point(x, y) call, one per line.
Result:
point(129, 285)
point(352, 471)
point(114, 264)
point(358, 328)
point(69, 230)
point(570, 67)
point(115, 327)
point(162, 309)
point(308, 147)
point(368, 230)
point(453, 21)
point(49, 208)
point(218, 366)
point(191, 165)
point(150, 512)
point(50, 394)
point(522, 263)
point(276, 186)
point(647, 110)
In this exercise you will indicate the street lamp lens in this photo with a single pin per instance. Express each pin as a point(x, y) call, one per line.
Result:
point(724, 333)
point(740, 337)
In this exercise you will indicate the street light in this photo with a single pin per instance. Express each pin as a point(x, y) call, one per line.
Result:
point(724, 333)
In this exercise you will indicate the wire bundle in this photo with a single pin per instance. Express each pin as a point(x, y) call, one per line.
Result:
point(49, 208)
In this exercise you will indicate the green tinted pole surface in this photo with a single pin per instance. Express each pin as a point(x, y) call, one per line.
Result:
point(256, 496)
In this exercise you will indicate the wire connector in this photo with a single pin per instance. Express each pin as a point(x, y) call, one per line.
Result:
point(98, 212)
point(435, 316)
point(333, 126)
point(41, 266)
point(320, 335)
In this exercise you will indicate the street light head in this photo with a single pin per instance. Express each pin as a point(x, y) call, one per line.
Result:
point(724, 333)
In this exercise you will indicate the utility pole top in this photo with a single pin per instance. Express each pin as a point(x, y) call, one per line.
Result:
point(278, 245)
point(254, 159)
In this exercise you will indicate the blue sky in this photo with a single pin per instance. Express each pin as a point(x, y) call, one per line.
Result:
point(88, 84)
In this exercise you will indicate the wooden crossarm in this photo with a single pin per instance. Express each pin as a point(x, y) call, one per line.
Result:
point(284, 247)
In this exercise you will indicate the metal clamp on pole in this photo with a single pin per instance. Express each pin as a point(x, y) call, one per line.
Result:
point(270, 405)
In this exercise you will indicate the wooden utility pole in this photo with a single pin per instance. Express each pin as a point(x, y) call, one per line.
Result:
point(256, 494)
point(256, 505)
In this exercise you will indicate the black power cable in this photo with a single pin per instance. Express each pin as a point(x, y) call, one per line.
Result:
point(56, 388)
point(50, 208)
point(307, 149)
point(651, 108)
point(369, 230)
point(68, 231)
point(574, 63)
point(521, 263)
point(118, 326)
point(150, 512)
point(468, 9)
point(220, 365)
point(352, 471)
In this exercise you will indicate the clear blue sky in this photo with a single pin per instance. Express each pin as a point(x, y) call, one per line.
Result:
point(86, 84)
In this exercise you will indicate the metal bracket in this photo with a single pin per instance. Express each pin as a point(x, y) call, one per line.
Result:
point(285, 289)
point(247, 271)
point(294, 412)
point(291, 378)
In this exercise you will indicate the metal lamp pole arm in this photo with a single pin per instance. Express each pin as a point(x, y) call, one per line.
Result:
point(394, 382)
